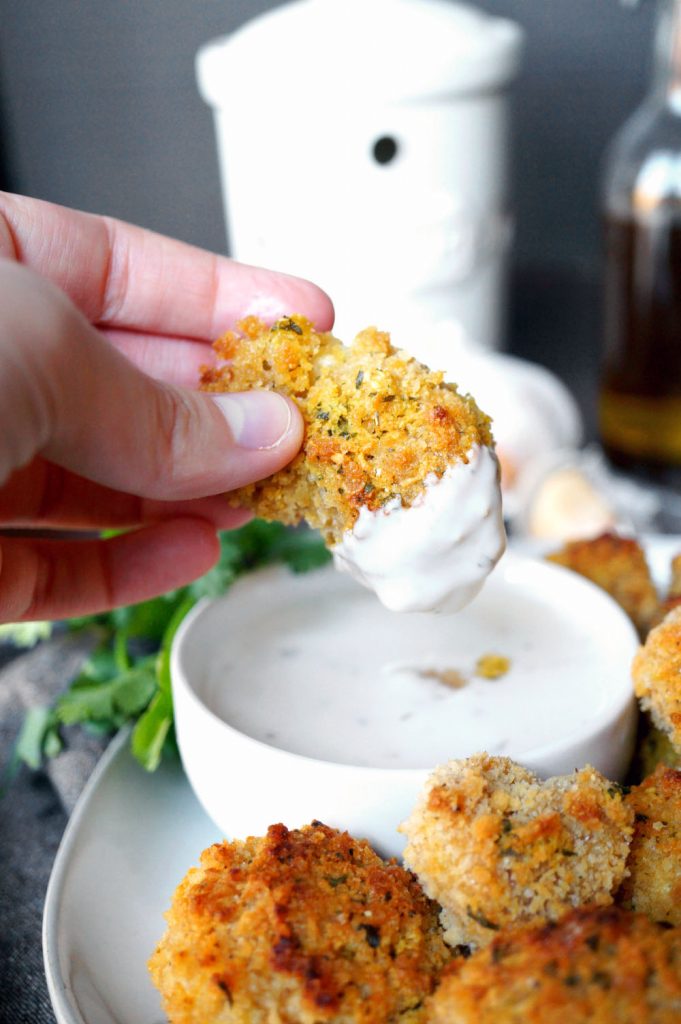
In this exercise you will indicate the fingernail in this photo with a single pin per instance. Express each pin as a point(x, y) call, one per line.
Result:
point(257, 419)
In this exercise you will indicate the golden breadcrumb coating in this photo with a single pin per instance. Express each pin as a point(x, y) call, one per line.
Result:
point(601, 965)
point(299, 927)
point(656, 672)
point(377, 423)
point(653, 885)
point(496, 846)
point(618, 565)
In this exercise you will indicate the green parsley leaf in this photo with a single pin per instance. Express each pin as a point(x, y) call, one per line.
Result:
point(25, 634)
point(117, 700)
point(301, 550)
point(38, 730)
point(151, 731)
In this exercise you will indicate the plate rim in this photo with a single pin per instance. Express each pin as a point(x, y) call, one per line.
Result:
point(64, 1007)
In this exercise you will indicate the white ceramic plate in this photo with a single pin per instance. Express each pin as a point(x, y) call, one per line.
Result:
point(130, 840)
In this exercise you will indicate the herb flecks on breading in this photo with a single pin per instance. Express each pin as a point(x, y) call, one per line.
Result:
point(377, 422)
point(495, 846)
point(305, 925)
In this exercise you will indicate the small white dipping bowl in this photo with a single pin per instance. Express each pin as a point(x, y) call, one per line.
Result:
point(301, 697)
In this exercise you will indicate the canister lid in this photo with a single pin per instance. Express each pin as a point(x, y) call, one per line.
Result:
point(391, 49)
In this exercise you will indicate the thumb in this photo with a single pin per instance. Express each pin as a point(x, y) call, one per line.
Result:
point(70, 396)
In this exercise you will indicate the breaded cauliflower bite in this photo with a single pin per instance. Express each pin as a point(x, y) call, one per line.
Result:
point(599, 965)
point(653, 885)
point(656, 672)
point(382, 434)
point(618, 565)
point(377, 422)
point(299, 927)
point(496, 846)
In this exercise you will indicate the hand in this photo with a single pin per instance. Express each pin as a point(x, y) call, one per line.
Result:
point(103, 328)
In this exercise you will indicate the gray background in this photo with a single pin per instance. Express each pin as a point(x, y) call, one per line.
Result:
point(99, 110)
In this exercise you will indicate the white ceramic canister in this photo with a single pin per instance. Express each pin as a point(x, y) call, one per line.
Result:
point(364, 144)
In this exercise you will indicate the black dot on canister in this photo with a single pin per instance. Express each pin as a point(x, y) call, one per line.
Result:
point(385, 149)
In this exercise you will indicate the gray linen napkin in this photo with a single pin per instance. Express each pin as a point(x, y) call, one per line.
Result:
point(33, 812)
point(34, 679)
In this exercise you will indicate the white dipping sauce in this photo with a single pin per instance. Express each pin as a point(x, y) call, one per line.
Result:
point(314, 665)
point(436, 554)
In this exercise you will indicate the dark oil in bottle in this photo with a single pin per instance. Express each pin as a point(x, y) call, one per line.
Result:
point(640, 395)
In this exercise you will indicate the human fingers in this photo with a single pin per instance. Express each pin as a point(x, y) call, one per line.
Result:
point(47, 579)
point(122, 276)
point(71, 397)
point(174, 360)
point(44, 495)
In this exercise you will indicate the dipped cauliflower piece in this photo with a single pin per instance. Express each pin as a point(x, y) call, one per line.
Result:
point(397, 469)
